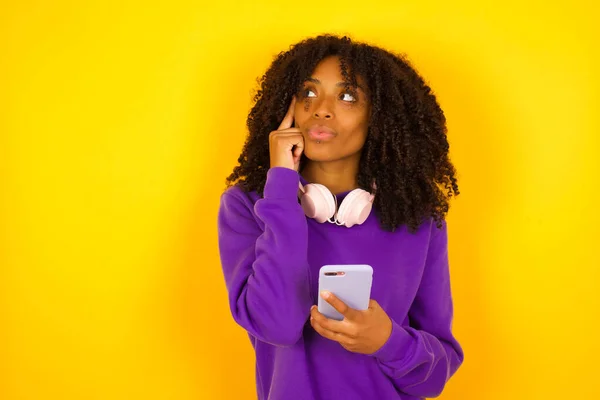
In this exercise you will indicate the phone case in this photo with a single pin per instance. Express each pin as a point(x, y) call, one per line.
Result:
point(350, 283)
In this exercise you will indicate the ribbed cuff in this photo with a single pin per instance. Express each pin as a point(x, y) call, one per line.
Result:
point(396, 346)
point(282, 183)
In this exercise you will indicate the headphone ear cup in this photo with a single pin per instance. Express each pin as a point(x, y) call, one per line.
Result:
point(318, 202)
point(356, 208)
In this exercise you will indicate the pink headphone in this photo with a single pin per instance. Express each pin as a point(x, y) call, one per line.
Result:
point(319, 203)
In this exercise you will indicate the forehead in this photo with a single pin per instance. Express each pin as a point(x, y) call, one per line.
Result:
point(329, 71)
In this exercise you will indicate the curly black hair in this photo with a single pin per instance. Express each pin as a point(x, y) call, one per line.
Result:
point(406, 151)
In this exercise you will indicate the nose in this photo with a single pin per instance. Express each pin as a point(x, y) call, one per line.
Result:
point(323, 109)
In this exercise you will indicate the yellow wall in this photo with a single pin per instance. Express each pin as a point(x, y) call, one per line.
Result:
point(119, 122)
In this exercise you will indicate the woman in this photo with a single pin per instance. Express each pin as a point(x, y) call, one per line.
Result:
point(362, 123)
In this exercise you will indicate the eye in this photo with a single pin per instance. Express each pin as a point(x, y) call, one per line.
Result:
point(348, 97)
point(309, 93)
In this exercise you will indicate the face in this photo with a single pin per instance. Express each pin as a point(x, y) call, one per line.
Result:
point(332, 116)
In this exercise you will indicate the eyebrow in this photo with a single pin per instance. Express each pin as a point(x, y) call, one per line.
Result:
point(339, 84)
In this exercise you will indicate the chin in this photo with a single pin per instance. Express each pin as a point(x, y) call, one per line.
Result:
point(318, 152)
point(321, 156)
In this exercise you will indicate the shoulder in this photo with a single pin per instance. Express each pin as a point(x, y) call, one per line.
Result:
point(427, 232)
point(437, 228)
point(237, 198)
point(427, 229)
point(438, 235)
point(236, 212)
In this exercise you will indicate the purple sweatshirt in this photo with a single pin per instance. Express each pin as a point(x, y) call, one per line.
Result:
point(271, 254)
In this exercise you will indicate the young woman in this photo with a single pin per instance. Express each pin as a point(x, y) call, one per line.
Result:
point(346, 162)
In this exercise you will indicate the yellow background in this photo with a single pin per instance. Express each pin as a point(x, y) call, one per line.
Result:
point(120, 120)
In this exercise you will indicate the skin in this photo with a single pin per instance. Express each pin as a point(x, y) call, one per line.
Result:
point(325, 101)
point(362, 332)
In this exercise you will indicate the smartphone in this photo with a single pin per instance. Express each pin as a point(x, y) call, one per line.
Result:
point(351, 283)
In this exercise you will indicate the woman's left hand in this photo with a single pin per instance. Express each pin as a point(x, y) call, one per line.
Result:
point(362, 332)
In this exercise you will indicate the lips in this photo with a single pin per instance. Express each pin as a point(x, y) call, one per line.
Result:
point(320, 133)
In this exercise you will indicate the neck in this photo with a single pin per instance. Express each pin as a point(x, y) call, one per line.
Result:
point(337, 176)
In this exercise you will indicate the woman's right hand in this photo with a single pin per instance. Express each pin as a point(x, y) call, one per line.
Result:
point(286, 144)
